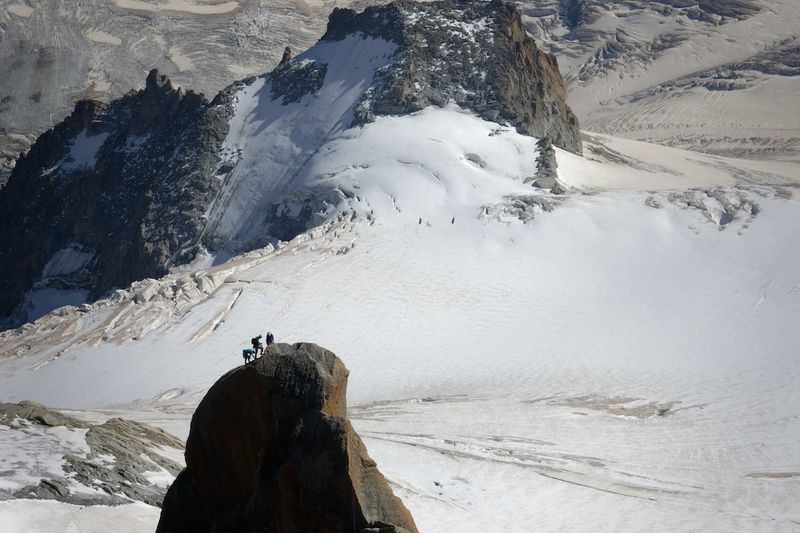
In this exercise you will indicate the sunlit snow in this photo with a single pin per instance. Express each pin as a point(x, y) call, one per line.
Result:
point(617, 358)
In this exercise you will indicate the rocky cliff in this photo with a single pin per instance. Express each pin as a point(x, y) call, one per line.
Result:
point(270, 449)
point(124, 191)
point(113, 194)
point(476, 54)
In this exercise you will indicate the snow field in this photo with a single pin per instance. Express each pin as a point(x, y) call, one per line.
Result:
point(272, 142)
point(608, 359)
point(22, 516)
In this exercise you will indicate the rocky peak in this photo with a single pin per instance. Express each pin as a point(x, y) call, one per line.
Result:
point(86, 113)
point(473, 53)
point(113, 194)
point(287, 56)
point(156, 82)
point(160, 100)
point(270, 449)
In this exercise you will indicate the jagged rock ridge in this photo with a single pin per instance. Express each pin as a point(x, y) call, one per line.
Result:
point(113, 194)
point(270, 449)
point(125, 191)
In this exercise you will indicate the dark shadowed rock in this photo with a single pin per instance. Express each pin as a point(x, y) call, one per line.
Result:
point(271, 450)
point(47, 489)
point(287, 56)
point(124, 186)
point(292, 81)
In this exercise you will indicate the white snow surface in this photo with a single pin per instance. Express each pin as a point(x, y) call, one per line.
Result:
point(43, 300)
point(68, 260)
point(83, 152)
point(610, 359)
point(23, 516)
point(272, 142)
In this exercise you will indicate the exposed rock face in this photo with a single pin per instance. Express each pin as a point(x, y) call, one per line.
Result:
point(546, 166)
point(287, 56)
point(113, 194)
point(476, 54)
point(113, 467)
point(292, 81)
point(575, 12)
point(270, 449)
point(38, 414)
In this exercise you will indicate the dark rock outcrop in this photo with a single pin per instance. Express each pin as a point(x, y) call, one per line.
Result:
point(127, 184)
point(287, 56)
point(292, 81)
point(475, 54)
point(271, 450)
point(575, 12)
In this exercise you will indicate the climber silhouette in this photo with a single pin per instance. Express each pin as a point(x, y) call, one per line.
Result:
point(257, 346)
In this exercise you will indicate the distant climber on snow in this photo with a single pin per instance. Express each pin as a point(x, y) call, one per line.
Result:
point(257, 346)
point(270, 338)
point(247, 353)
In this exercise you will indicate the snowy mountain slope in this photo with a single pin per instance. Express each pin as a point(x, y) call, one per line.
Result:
point(615, 162)
point(629, 353)
point(587, 463)
point(377, 251)
point(616, 357)
point(650, 70)
point(144, 183)
point(271, 142)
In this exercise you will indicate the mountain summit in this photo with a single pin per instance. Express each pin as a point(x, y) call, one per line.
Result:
point(128, 190)
point(475, 54)
point(271, 449)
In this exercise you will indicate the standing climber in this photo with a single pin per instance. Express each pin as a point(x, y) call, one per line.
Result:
point(247, 353)
point(270, 338)
point(257, 346)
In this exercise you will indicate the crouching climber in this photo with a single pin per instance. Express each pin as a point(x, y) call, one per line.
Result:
point(270, 338)
point(248, 353)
